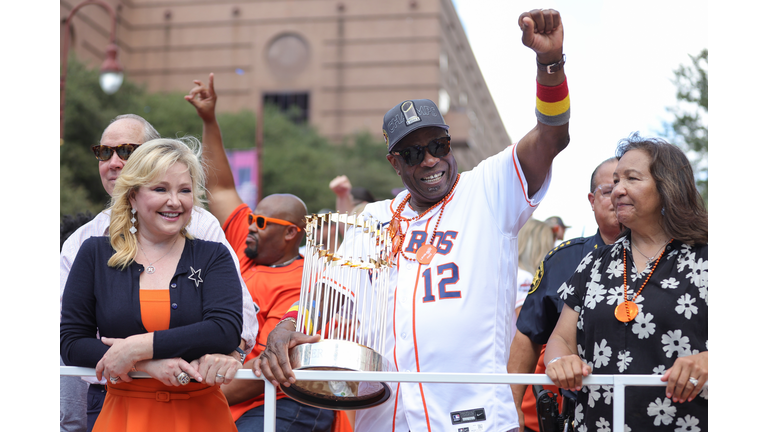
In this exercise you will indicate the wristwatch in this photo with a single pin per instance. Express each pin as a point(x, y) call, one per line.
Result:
point(551, 68)
point(242, 354)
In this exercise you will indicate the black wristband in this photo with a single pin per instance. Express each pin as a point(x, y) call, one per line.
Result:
point(242, 354)
point(553, 67)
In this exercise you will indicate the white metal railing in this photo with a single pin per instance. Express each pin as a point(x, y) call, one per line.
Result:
point(619, 382)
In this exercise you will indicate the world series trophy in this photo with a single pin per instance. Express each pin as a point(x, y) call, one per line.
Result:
point(344, 298)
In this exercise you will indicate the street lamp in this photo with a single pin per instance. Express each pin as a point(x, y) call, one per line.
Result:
point(111, 72)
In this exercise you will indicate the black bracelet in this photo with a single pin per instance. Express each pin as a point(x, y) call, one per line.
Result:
point(553, 67)
point(242, 354)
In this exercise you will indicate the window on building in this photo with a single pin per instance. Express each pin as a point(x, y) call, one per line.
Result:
point(295, 105)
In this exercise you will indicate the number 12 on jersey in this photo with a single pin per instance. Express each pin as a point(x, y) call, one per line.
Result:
point(450, 273)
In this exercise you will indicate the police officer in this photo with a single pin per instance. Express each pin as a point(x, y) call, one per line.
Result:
point(542, 307)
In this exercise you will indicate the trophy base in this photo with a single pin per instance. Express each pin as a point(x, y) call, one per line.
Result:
point(336, 355)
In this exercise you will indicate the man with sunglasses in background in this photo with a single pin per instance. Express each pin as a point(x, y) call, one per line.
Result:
point(267, 241)
point(123, 135)
point(453, 279)
point(543, 304)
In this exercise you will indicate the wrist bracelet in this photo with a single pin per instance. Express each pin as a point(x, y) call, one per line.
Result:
point(552, 361)
point(242, 354)
point(292, 319)
point(553, 67)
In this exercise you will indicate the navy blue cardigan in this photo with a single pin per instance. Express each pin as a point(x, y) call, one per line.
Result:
point(206, 304)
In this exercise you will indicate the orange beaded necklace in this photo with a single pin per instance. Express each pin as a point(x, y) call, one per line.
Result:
point(427, 251)
point(627, 310)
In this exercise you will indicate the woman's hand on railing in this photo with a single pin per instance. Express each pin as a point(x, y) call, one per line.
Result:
point(167, 370)
point(122, 355)
point(566, 372)
point(687, 376)
point(273, 362)
point(217, 369)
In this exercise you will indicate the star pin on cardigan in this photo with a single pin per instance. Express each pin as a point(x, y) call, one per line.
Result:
point(196, 276)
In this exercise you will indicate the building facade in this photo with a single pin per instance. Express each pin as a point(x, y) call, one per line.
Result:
point(343, 63)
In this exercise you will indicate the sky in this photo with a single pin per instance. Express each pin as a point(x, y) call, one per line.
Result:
point(620, 58)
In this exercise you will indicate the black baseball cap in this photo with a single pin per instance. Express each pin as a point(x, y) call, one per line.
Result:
point(408, 116)
point(554, 221)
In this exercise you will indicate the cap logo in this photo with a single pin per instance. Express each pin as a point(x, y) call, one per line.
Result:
point(426, 110)
point(386, 137)
point(409, 111)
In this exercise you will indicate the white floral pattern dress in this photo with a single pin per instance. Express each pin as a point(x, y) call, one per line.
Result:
point(671, 323)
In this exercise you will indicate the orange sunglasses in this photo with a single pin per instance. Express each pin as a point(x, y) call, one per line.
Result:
point(261, 221)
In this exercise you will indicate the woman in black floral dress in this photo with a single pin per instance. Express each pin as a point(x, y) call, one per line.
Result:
point(639, 306)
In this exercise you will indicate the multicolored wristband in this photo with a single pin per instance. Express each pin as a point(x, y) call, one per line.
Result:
point(553, 105)
point(293, 312)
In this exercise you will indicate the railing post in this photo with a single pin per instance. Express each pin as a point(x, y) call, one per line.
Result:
point(270, 407)
point(618, 403)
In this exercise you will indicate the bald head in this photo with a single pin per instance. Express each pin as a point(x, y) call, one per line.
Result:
point(148, 132)
point(608, 164)
point(284, 206)
point(277, 243)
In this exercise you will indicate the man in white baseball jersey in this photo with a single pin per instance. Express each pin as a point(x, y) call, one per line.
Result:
point(452, 289)
point(118, 140)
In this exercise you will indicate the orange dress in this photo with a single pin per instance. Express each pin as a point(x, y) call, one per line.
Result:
point(148, 405)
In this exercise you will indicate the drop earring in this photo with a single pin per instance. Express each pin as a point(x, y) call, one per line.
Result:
point(132, 229)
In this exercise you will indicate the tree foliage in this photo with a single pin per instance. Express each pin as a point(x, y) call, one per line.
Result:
point(296, 158)
point(689, 130)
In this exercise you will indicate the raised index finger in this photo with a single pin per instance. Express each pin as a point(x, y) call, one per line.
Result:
point(210, 84)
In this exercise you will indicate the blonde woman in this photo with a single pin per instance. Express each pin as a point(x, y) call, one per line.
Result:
point(533, 242)
point(162, 302)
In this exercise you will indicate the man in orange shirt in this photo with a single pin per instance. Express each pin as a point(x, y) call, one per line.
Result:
point(267, 243)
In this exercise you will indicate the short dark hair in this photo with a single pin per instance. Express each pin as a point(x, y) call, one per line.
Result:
point(685, 215)
point(592, 185)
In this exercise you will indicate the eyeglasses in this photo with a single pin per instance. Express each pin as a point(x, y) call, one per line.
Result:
point(261, 221)
point(604, 189)
point(413, 155)
point(104, 153)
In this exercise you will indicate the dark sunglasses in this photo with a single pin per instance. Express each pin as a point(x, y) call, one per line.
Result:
point(413, 155)
point(261, 221)
point(104, 153)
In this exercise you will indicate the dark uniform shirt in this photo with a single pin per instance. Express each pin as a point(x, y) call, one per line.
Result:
point(542, 307)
